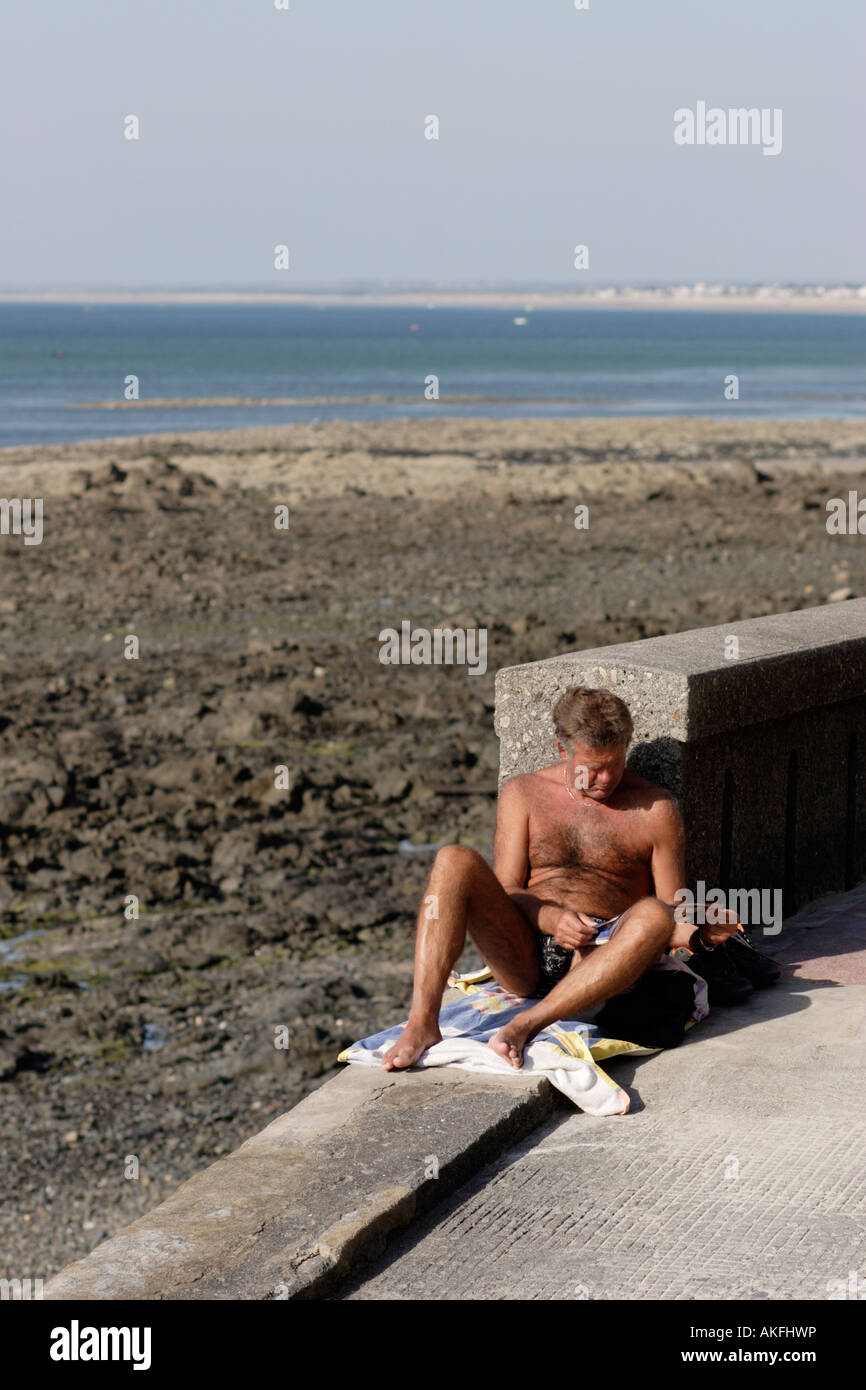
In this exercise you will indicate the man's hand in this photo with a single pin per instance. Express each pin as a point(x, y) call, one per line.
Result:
point(719, 925)
point(573, 929)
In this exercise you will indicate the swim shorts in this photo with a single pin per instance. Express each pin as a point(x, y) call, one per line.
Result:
point(555, 961)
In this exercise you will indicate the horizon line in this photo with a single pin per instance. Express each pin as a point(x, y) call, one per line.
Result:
point(388, 286)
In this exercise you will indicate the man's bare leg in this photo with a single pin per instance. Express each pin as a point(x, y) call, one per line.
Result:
point(602, 972)
point(466, 895)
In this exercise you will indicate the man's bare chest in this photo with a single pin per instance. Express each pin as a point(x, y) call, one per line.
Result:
point(591, 838)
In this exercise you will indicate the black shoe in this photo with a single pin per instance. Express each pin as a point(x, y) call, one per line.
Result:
point(726, 984)
point(761, 970)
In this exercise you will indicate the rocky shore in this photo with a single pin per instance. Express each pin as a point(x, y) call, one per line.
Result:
point(135, 1049)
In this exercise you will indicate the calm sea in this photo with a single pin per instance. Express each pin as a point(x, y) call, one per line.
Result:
point(560, 363)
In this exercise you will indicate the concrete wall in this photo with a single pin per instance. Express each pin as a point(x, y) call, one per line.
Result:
point(766, 750)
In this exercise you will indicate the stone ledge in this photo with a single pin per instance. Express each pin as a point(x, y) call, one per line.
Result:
point(315, 1194)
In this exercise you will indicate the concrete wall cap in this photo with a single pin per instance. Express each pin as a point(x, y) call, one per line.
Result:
point(684, 687)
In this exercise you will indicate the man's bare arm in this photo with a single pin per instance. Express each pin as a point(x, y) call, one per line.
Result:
point(511, 850)
point(668, 863)
point(669, 874)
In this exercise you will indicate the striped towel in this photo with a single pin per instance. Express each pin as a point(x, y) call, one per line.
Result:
point(567, 1053)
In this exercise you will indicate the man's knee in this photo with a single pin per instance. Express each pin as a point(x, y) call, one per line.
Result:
point(652, 917)
point(459, 861)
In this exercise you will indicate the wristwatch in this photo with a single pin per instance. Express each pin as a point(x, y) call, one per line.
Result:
point(697, 943)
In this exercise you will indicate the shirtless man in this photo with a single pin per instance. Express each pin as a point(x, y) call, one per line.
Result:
point(582, 840)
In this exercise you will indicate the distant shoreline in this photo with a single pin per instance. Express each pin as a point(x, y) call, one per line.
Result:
point(764, 300)
point(439, 407)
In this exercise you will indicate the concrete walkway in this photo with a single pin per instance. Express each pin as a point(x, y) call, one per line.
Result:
point(738, 1173)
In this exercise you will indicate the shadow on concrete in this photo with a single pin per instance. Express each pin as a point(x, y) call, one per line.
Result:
point(776, 1001)
point(401, 1244)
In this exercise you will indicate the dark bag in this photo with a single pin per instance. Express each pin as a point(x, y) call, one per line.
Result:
point(654, 1013)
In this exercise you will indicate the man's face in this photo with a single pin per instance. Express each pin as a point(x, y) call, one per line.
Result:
point(594, 772)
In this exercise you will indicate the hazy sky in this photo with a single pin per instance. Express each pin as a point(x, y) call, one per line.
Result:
point(306, 127)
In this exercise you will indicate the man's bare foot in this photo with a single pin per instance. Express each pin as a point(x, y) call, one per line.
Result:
point(510, 1041)
point(414, 1040)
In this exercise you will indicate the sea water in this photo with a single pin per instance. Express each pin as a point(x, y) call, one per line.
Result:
point(552, 363)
